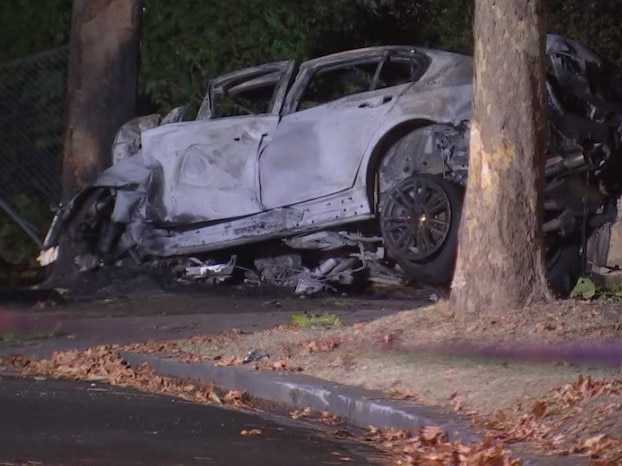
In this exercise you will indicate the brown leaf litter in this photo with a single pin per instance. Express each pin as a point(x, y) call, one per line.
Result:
point(508, 371)
point(430, 446)
point(580, 418)
point(553, 404)
point(104, 364)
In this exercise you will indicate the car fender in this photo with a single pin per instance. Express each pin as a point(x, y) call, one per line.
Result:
point(129, 178)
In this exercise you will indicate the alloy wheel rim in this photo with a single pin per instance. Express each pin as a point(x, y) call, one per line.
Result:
point(416, 218)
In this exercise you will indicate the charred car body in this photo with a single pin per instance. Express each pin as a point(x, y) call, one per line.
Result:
point(360, 157)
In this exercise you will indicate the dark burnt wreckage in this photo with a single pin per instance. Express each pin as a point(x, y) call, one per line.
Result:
point(353, 163)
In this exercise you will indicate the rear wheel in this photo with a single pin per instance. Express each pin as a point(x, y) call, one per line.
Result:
point(564, 266)
point(419, 220)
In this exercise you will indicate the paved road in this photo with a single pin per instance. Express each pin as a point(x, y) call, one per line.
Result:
point(60, 422)
point(40, 322)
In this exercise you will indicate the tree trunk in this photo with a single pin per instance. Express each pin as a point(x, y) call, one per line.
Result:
point(102, 82)
point(500, 263)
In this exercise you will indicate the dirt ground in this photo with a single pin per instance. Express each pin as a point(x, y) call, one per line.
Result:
point(549, 377)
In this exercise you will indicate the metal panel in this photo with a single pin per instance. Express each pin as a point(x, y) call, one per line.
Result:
point(206, 169)
point(351, 206)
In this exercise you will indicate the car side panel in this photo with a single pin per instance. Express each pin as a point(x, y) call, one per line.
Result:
point(205, 170)
point(317, 152)
point(339, 209)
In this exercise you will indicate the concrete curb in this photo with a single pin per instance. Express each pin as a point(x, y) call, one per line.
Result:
point(356, 406)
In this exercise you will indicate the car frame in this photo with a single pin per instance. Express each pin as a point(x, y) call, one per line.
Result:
point(382, 168)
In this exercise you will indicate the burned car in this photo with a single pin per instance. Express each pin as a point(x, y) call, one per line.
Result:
point(352, 162)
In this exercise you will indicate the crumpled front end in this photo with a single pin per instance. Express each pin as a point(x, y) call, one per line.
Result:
point(119, 193)
point(109, 214)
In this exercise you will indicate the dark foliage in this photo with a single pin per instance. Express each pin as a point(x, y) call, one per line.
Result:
point(187, 42)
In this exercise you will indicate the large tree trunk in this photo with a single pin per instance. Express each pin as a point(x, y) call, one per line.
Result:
point(500, 263)
point(103, 68)
point(101, 95)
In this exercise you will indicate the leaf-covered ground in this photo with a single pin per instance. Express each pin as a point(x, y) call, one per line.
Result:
point(548, 378)
point(103, 364)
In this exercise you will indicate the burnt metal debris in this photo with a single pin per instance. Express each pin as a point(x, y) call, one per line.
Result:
point(352, 166)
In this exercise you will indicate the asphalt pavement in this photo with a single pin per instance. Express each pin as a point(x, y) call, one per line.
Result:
point(39, 323)
point(54, 422)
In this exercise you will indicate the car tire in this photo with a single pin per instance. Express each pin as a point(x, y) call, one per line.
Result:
point(564, 267)
point(419, 220)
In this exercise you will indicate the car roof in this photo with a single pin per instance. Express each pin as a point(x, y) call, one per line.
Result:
point(362, 52)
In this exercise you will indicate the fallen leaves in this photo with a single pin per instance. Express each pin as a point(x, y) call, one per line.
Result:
point(430, 435)
point(431, 446)
point(324, 417)
point(586, 387)
point(539, 409)
point(599, 446)
point(170, 348)
point(296, 414)
point(593, 441)
point(457, 404)
point(213, 396)
point(251, 432)
point(231, 361)
point(104, 364)
point(341, 457)
point(403, 395)
point(237, 398)
point(329, 419)
point(557, 425)
point(391, 339)
point(321, 346)
point(279, 365)
point(100, 363)
point(191, 349)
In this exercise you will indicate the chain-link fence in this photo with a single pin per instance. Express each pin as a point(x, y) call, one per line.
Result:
point(32, 108)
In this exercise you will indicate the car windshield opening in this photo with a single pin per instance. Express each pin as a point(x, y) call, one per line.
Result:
point(250, 97)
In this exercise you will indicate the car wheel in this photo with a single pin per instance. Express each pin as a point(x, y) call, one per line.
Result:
point(419, 220)
point(564, 266)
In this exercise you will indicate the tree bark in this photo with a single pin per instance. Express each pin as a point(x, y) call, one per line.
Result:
point(101, 87)
point(500, 261)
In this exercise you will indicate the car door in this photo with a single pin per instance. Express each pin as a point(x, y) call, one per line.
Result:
point(334, 109)
point(208, 167)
